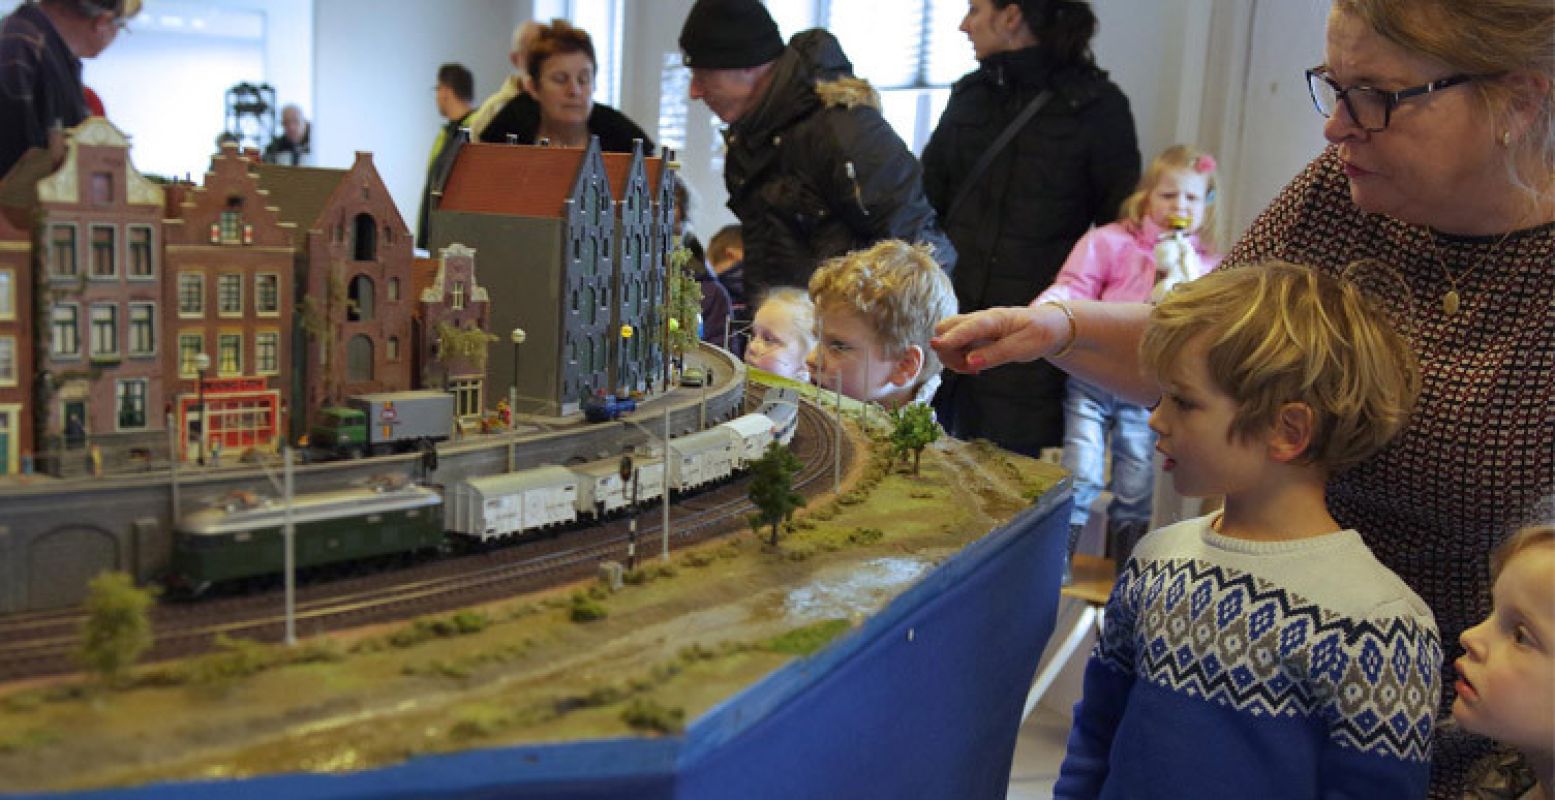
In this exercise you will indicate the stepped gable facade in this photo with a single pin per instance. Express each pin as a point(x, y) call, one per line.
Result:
point(453, 336)
point(228, 293)
point(352, 254)
point(95, 307)
point(637, 285)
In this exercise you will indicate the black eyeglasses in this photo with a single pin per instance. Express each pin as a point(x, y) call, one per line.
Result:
point(1369, 108)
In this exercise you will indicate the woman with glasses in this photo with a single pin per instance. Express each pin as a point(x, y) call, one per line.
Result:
point(1437, 190)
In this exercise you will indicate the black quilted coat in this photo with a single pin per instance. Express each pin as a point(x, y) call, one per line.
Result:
point(1070, 167)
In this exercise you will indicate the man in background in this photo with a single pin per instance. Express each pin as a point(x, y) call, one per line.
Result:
point(523, 37)
point(813, 169)
point(455, 92)
point(41, 47)
point(293, 147)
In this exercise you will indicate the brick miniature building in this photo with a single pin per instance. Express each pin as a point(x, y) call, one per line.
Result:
point(16, 342)
point(352, 262)
point(97, 269)
point(453, 340)
point(227, 288)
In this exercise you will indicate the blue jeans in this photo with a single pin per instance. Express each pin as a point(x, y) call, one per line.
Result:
point(1089, 413)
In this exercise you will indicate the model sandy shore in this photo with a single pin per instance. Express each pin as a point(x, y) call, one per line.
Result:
point(677, 639)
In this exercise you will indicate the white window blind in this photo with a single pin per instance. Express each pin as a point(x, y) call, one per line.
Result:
point(910, 50)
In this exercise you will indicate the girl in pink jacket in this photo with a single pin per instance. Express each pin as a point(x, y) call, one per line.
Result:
point(1136, 259)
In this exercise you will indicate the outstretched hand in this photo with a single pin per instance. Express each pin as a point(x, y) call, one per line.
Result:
point(971, 343)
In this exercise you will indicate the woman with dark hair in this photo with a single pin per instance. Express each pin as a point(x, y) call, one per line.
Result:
point(1062, 156)
point(557, 103)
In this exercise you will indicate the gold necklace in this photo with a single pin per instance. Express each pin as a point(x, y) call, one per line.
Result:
point(1452, 300)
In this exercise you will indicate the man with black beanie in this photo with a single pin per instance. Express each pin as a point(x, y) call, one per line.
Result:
point(813, 169)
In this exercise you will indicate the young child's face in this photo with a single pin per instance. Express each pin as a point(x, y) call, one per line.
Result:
point(1179, 193)
point(1192, 423)
point(849, 350)
point(777, 345)
point(1506, 677)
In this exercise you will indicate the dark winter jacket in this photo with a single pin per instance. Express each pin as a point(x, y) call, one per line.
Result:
point(814, 171)
point(40, 84)
point(1070, 167)
point(521, 117)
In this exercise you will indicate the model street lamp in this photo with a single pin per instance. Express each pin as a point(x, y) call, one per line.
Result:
point(626, 339)
point(202, 362)
point(517, 337)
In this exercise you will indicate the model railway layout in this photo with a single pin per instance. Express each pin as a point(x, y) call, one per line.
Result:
point(38, 643)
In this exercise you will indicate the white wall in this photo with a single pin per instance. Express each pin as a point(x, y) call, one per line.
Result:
point(163, 81)
point(376, 69)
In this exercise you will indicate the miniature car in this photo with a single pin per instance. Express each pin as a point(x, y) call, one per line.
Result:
point(606, 407)
point(693, 376)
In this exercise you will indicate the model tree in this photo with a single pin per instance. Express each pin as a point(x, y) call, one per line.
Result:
point(685, 302)
point(772, 488)
point(913, 428)
point(117, 628)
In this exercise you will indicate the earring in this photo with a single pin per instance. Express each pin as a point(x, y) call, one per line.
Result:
point(1506, 138)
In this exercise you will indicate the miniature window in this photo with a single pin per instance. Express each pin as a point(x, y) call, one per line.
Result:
point(391, 351)
point(366, 245)
point(191, 294)
point(231, 226)
point(143, 327)
point(267, 293)
point(267, 353)
point(7, 294)
point(360, 308)
point(141, 265)
point(458, 296)
point(103, 265)
point(105, 330)
point(7, 360)
point(229, 354)
point(229, 295)
point(190, 346)
point(394, 290)
point(132, 404)
point(67, 333)
point(102, 188)
point(467, 397)
point(359, 359)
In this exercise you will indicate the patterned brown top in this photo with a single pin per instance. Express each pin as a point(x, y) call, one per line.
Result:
point(1477, 460)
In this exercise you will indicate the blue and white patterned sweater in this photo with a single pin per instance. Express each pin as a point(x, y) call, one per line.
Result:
point(1238, 669)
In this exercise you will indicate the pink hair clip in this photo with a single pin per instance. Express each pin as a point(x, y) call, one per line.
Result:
point(1204, 164)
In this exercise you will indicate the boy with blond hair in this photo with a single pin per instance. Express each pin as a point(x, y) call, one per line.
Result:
point(875, 311)
point(1263, 651)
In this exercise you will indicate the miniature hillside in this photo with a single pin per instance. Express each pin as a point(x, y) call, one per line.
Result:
point(573, 663)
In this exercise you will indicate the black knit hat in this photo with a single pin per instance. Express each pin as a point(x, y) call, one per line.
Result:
point(729, 34)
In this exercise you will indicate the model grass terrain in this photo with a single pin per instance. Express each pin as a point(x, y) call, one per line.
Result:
point(579, 662)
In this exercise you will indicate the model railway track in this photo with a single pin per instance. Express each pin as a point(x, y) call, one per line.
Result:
point(36, 644)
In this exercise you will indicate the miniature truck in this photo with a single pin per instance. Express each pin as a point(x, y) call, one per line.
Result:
point(386, 422)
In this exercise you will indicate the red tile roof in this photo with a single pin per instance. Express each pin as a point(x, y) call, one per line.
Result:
point(512, 179)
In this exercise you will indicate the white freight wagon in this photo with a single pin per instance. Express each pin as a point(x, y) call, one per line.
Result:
point(781, 405)
point(601, 490)
point(754, 433)
point(516, 502)
point(703, 457)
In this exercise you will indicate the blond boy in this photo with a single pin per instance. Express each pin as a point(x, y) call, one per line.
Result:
point(875, 311)
point(1262, 651)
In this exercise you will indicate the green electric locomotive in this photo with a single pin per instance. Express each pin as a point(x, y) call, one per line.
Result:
point(241, 537)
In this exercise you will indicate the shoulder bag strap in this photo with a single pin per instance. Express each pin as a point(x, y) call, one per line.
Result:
point(998, 145)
